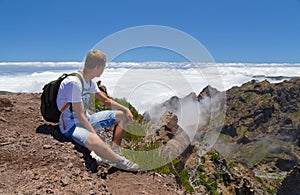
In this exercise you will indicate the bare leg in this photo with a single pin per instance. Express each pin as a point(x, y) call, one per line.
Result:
point(119, 129)
point(95, 143)
point(117, 136)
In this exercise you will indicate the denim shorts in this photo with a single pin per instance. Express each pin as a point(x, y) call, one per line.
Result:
point(98, 121)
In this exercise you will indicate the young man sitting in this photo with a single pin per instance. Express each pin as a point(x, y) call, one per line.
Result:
point(77, 124)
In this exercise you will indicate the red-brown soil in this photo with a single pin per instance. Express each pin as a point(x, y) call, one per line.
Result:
point(36, 159)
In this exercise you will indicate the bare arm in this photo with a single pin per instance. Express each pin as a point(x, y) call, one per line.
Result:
point(112, 104)
point(79, 111)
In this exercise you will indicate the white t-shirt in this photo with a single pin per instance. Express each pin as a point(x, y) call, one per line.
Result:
point(70, 90)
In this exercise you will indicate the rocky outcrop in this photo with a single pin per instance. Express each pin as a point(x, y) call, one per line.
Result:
point(166, 134)
point(255, 112)
point(210, 173)
point(264, 117)
point(261, 107)
point(261, 128)
point(208, 91)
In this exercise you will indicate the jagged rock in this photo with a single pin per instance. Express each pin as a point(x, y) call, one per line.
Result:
point(177, 145)
point(207, 91)
point(168, 120)
point(290, 184)
point(261, 117)
point(229, 130)
point(173, 104)
point(166, 126)
point(191, 97)
point(168, 134)
point(146, 117)
point(164, 130)
point(258, 119)
point(286, 164)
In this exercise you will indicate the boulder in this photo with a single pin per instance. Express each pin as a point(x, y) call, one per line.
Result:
point(167, 134)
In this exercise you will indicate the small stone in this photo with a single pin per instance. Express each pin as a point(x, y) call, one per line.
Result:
point(65, 181)
point(80, 155)
point(35, 176)
point(47, 146)
point(70, 166)
point(8, 109)
point(92, 192)
point(76, 171)
point(49, 191)
point(3, 119)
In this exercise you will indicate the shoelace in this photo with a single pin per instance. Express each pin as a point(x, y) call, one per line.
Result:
point(117, 151)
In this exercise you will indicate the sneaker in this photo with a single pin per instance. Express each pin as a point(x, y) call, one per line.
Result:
point(116, 149)
point(98, 159)
point(126, 164)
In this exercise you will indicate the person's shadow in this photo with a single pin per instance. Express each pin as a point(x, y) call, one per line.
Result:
point(54, 131)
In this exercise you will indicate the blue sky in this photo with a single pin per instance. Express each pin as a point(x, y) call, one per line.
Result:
point(232, 30)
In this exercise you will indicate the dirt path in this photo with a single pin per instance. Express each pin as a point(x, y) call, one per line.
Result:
point(36, 159)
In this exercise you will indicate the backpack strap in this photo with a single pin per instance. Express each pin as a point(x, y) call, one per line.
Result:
point(76, 74)
point(65, 107)
point(81, 81)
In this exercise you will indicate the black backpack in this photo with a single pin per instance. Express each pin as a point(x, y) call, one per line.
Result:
point(49, 109)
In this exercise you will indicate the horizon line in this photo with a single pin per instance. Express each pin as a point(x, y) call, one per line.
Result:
point(216, 62)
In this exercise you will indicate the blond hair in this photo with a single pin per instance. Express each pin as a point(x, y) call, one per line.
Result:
point(94, 58)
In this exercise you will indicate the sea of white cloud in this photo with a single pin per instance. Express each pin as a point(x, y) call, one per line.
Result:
point(147, 83)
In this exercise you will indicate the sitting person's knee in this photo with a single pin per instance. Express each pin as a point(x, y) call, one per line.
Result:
point(120, 115)
point(93, 139)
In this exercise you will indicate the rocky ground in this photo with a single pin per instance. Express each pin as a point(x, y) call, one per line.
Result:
point(36, 159)
point(257, 152)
